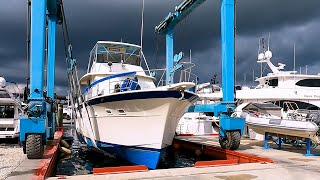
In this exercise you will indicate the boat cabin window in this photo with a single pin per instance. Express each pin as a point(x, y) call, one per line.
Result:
point(309, 83)
point(273, 82)
point(6, 111)
point(4, 94)
point(117, 53)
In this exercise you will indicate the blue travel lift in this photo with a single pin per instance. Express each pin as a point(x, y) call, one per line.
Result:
point(40, 124)
point(231, 128)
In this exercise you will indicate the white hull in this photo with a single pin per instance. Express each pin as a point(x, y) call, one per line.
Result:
point(196, 124)
point(9, 128)
point(147, 123)
point(302, 129)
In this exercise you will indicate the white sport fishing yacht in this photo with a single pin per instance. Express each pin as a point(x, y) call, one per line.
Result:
point(283, 86)
point(297, 94)
point(123, 112)
point(10, 111)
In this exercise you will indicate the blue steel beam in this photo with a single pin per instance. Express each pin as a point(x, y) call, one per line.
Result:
point(227, 49)
point(52, 21)
point(38, 27)
point(181, 11)
point(166, 27)
point(169, 56)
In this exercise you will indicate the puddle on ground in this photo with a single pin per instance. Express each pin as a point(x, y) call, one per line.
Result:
point(238, 177)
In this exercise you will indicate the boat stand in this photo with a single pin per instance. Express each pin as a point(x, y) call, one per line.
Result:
point(308, 148)
point(279, 141)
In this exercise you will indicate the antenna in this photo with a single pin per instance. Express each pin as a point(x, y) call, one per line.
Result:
point(269, 42)
point(190, 55)
point(294, 57)
point(259, 47)
point(300, 70)
point(253, 75)
point(142, 17)
point(306, 69)
point(260, 69)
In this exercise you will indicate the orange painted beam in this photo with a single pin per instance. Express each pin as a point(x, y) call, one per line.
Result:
point(216, 163)
point(46, 165)
point(219, 153)
point(120, 169)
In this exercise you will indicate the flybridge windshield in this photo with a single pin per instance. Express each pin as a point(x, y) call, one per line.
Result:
point(6, 111)
point(116, 53)
point(4, 94)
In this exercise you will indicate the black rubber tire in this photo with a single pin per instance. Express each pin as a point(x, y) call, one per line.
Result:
point(34, 146)
point(231, 141)
point(24, 148)
point(236, 137)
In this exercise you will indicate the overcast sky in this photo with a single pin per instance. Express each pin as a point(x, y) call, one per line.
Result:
point(288, 21)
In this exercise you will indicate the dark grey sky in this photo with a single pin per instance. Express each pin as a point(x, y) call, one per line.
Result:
point(288, 21)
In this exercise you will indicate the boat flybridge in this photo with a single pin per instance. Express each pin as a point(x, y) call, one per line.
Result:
point(123, 111)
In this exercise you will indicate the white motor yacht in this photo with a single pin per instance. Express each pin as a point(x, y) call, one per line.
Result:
point(123, 111)
point(10, 111)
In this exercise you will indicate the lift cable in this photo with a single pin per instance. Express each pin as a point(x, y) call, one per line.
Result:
point(65, 32)
point(76, 98)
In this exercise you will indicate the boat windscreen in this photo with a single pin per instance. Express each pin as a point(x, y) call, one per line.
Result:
point(117, 53)
point(6, 111)
point(4, 94)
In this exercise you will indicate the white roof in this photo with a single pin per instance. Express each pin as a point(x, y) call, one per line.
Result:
point(118, 43)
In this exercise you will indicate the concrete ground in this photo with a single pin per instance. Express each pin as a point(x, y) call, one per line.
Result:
point(290, 163)
point(11, 156)
point(25, 170)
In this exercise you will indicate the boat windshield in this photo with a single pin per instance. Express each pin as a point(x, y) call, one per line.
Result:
point(116, 53)
point(6, 111)
point(4, 94)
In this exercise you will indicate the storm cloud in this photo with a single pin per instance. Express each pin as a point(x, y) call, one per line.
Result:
point(287, 21)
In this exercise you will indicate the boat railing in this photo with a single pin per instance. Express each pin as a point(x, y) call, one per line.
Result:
point(131, 82)
point(183, 76)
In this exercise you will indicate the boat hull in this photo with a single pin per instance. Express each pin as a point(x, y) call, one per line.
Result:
point(136, 126)
point(9, 128)
point(197, 124)
point(135, 155)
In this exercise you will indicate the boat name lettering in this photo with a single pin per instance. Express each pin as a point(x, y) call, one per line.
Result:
point(312, 96)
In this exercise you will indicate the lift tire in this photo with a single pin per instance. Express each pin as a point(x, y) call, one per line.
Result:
point(34, 146)
point(231, 140)
point(235, 142)
point(24, 148)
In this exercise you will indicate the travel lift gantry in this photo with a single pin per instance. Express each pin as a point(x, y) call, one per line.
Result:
point(40, 123)
point(231, 128)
